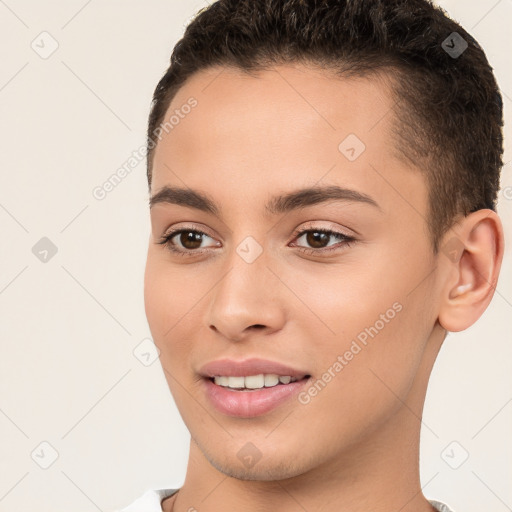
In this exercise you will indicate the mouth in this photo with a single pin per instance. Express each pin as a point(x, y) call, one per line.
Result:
point(249, 399)
point(254, 383)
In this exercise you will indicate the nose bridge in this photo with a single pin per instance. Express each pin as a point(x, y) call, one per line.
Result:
point(246, 294)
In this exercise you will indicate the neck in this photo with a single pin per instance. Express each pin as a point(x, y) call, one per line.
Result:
point(380, 472)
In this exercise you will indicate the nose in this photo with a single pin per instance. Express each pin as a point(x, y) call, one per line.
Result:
point(247, 299)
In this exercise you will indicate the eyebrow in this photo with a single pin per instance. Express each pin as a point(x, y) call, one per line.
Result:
point(295, 200)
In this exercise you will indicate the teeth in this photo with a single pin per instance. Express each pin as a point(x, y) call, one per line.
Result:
point(271, 380)
point(253, 381)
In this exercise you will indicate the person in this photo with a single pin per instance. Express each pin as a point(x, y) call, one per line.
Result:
point(323, 178)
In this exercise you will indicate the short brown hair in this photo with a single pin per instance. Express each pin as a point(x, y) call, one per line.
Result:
point(448, 107)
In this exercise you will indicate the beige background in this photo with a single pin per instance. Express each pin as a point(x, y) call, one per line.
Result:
point(69, 327)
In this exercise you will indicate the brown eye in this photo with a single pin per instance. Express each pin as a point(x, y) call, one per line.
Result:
point(317, 239)
point(185, 242)
point(190, 239)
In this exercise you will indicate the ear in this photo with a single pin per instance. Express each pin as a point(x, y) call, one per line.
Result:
point(471, 253)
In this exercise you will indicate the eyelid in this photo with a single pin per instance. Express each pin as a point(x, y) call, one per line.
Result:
point(298, 232)
point(327, 226)
point(344, 241)
point(188, 227)
point(169, 234)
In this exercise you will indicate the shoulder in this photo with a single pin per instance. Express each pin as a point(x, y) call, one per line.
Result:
point(150, 501)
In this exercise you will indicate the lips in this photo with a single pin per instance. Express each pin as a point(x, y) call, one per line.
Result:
point(252, 366)
point(251, 403)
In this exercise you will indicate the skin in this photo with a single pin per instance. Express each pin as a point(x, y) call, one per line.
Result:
point(354, 447)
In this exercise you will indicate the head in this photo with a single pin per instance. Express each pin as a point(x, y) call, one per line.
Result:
point(303, 116)
point(447, 111)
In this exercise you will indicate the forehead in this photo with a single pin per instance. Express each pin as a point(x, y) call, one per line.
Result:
point(287, 126)
point(291, 102)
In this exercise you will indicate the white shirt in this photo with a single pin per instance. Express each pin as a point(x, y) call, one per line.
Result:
point(151, 501)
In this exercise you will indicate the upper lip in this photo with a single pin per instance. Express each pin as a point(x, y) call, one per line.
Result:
point(253, 366)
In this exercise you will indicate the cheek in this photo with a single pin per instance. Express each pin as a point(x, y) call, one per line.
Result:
point(366, 369)
point(155, 296)
point(167, 298)
point(175, 297)
point(166, 306)
point(169, 290)
point(372, 316)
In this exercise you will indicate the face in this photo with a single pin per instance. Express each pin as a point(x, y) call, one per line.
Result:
point(339, 286)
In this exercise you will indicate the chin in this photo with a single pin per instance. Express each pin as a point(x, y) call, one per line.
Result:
point(264, 473)
point(265, 469)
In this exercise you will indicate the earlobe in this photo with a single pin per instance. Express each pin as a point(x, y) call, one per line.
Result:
point(471, 276)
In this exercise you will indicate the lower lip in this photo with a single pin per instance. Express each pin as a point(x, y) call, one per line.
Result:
point(248, 404)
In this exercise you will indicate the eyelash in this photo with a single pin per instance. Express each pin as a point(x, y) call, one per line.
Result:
point(346, 241)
